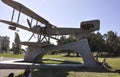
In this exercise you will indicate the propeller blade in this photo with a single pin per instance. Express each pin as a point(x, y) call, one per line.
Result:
point(34, 35)
point(29, 24)
point(31, 37)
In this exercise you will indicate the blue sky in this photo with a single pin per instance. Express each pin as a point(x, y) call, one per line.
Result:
point(66, 13)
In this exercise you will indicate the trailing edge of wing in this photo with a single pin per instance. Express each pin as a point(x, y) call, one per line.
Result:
point(23, 27)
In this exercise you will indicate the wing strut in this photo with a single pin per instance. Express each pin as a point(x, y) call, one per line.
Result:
point(12, 14)
point(12, 27)
point(18, 17)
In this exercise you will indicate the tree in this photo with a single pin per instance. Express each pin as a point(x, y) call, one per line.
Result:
point(65, 40)
point(16, 46)
point(62, 40)
point(5, 44)
point(113, 43)
point(3, 47)
point(96, 42)
point(106, 45)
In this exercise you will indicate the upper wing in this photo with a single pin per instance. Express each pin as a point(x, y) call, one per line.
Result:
point(26, 11)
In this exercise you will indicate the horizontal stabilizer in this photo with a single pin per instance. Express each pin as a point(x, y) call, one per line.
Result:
point(90, 25)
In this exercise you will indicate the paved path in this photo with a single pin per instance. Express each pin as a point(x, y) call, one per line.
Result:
point(6, 72)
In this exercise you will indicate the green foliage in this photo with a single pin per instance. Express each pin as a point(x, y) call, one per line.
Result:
point(108, 43)
point(4, 44)
point(16, 47)
point(4, 47)
point(113, 43)
point(96, 42)
point(62, 40)
point(105, 45)
point(65, 40)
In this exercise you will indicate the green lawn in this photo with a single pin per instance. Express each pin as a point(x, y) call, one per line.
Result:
point(79, 72)
point(61, 56)
point(12, 55)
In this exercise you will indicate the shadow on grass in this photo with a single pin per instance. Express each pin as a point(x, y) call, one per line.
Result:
point(117, 71)
point(49, 73)
point(64, 72)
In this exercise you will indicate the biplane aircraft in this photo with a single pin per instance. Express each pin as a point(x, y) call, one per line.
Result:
point(48, 30)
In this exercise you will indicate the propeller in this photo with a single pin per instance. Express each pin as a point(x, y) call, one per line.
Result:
point(31, 37)
point(30, 25)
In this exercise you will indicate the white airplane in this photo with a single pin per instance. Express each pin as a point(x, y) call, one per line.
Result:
point(48, 30)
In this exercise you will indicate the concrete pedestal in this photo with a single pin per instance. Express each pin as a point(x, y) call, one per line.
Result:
point(35, 54)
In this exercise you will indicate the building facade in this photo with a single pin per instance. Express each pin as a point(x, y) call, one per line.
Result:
point(4, 44)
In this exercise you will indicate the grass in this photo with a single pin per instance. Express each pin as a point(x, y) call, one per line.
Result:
point(12, 55)
point(79, 72)
point(61, 56)
point(114, 62)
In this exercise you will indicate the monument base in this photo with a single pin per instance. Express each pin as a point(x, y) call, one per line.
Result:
point(35, 54)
